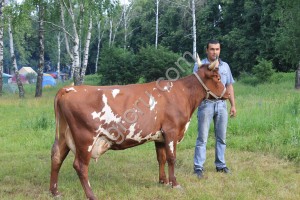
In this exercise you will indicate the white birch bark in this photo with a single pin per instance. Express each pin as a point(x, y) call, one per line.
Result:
point(76, 66)
point(127, 17)
point(58, 56)
point(14, 61)
point(86, 51)
point(156, 24)
point(75, 71)
point(125, 25)
point(110, 31)
point(194, 29)
point(116, 29)
point(62, 13)
point(1, 45)
point(39, 82)
point(100, 35)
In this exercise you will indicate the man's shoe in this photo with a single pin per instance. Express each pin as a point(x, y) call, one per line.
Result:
point(199, 173)
point(223, 170)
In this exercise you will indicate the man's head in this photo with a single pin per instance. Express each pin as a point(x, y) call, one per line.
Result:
point(213, 49)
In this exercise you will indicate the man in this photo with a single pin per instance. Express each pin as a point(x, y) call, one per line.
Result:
point(214, 109)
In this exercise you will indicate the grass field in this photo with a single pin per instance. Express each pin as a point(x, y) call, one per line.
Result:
point(263, 153)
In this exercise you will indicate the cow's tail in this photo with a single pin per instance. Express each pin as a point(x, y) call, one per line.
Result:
point(57, 112)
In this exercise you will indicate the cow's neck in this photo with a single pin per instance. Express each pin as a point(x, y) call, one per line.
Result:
point(194, 91)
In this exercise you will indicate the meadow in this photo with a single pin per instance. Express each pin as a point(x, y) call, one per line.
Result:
point(263, 152)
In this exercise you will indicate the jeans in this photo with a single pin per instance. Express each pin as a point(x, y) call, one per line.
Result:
point(208, 110)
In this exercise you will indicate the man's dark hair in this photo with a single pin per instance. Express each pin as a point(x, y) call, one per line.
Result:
point(212, 42)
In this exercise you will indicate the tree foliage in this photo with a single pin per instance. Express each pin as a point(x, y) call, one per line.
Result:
point(248, 30)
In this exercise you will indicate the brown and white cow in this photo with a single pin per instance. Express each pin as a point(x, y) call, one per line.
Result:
point(93, 119)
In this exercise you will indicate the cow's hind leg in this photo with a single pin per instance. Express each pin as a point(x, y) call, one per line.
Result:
point(161, 158)
point(81, 164)
point(59, 152)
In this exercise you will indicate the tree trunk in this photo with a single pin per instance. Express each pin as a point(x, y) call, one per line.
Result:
point(1, 46)
point(156, 24)
point(62, 13)
point(58, 57)
point(98, 45)
point(110, 31)
point(194, 29)
point(100, 35)
point(39, 82)
point(75, 66)
point(14, 62)
point(86, 51)
point(125, 26)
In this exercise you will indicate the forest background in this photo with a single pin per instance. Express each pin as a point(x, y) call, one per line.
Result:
point(136, 41)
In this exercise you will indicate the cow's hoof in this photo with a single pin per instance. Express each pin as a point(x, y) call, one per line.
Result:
point(178, 187)
point(163, 183)
point(55, 194)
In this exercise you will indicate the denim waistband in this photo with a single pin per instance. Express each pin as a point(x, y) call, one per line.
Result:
point(214, 100)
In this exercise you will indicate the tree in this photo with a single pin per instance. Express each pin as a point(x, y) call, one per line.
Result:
point(1, 45)
point(38, 91)
point(287, 35)
point(117, 66)
point(156, 23)
point(14, 61)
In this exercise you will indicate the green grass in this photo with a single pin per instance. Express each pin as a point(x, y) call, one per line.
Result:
point(263, 152)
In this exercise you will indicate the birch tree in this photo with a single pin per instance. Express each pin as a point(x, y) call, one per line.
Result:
point(100, 35)
point(58, 55)
point(14, 61)
point(127, 15)
point(156, 24)
point(39, 86)
point(194, 29)
point(78, 70)
point(86, 51)
point(1, 45)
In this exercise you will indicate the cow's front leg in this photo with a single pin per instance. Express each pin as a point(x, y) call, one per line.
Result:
point(161, 158)
point(81, 164)
point(170, 146)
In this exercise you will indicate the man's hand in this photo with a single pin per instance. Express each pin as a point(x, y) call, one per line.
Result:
point(232, 111)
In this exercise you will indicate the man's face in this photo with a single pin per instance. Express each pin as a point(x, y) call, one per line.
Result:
point(213, 51)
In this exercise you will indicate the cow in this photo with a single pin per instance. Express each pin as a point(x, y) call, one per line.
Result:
point(93, 119)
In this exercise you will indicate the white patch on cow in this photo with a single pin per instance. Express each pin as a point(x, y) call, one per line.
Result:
point(152, 102)
point(187, 126)
point(96, 115)
point(185, 129)
point(115, 92)
point(171, 146)
point(109, 135)
point(89, 183)
point(95, 139)
point(55, 185)
point(107, 113)
point(99, 89)
point(85, 90)
point(131, 135)
point(138, 136)
point(70, 89)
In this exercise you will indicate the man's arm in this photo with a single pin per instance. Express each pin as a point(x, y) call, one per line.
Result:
point(231, 100)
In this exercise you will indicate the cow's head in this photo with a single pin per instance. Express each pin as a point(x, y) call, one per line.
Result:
point(209, 73)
